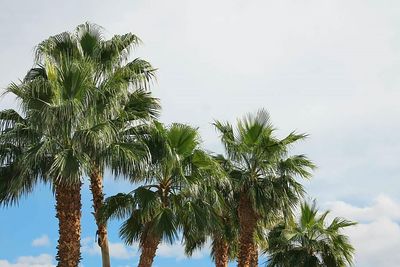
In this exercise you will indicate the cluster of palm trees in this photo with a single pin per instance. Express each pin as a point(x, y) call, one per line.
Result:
point(86, 107)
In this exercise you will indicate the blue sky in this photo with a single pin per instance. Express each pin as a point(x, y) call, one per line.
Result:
point(327, 68)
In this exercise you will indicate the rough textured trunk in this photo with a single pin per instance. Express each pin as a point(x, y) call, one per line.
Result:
point(254, 256)
point(248, 222)
point(221, 251)
point(68, 208)
point(96, 186)
point(148, 251)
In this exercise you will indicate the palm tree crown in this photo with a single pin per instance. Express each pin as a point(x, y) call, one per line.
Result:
point(263, 175)
point(170, 201)
point(310, 241)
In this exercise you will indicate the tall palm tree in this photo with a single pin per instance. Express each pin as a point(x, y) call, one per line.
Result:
point(53, 99)
point(265, 175)
point(170, 201)
point(310, 241)
point(123, 102)
point(120, 156)
point(70, 105)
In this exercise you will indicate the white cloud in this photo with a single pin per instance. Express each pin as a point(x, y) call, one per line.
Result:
point(377, 243)
point(377, 236)
point(177, 251)
point(117, 250)
point(43, 260)
point(382, 207)
point(120, 251)
point(41, 241)
point(123, 252)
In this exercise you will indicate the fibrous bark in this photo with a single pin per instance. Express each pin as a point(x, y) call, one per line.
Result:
point(254, 256)
point(248, 222)
point(148, 251)
point(68, 208)
point(96, 186)
point(221, 250)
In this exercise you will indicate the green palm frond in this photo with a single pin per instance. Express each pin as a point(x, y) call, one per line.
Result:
point(8, 118)
point(119, 206)
point(57, 47)
point(117, 49)
point(15, 182)
point(131, 230)
point(179, 190)
point(260, 163)
point(310, 241)
point(84, 103)
point(90, 38)
point(165, 225)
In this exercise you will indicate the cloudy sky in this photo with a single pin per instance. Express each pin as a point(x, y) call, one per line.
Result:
point(325, 67)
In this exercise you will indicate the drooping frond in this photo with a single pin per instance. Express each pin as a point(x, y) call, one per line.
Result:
point(117, 49)
point(58, 47)
point(119, 206)
point(8, 119)
point(90, 38)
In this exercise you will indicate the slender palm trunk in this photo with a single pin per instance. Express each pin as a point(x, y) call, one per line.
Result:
point(254, 256)
point(68, 208)
point(248, 222)
point(221, 250)
point(96, 186)
point(148, 248)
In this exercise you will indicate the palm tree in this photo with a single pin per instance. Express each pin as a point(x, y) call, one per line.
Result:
point(70, 105)
point(117, 106)
point(310, 241)
point(53, 98)
point(120, 156)
point(222, 228)
point(170, 201)
point(265, 176)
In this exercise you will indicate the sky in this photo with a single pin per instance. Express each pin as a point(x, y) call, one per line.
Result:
point(326, 68)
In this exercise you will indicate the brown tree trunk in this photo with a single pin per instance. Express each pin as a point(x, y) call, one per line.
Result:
point(149, 248)
point(96, 186)
point(68, 208)
point(221, 250)
point(248, 222)
point(254, 256)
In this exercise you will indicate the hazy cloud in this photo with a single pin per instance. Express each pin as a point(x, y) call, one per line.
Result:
point(377, 236)
point(41, 241)
point(43, 260)
point(123, 252)
point(177, 251)
point(117, 250)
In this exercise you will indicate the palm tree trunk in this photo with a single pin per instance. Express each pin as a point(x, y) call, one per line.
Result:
point(68, 208)
point(254, 256)
point(221, 250)
point(149, 248)
point(248, 222)
point(96, 186)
